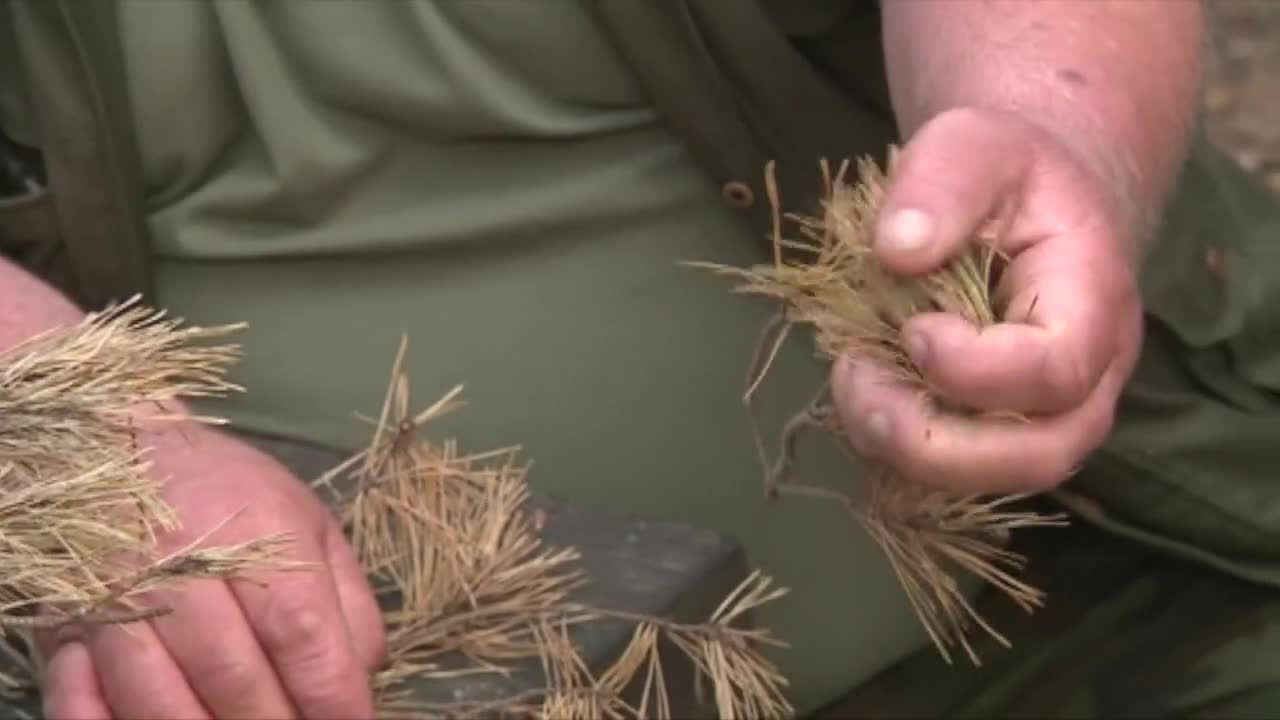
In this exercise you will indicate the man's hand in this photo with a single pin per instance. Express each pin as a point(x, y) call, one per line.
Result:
point(1071, 324)
point(302, 646)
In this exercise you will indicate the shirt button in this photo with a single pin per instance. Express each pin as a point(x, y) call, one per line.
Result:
point(738, 194)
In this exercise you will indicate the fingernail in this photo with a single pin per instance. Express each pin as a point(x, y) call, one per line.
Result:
point(878, 427)
point(908, 230)
point(872, 435)
point(917, 348)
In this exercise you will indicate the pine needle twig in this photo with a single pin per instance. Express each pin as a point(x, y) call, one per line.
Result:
point(450, 536)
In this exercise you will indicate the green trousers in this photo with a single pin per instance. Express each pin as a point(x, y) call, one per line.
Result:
point(1164, 597)
point(1127, 633)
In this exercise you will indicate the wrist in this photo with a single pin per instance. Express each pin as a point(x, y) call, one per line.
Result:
point(1115, 83)
point(1101, 163)
point(29, 306)
point(1130, 199)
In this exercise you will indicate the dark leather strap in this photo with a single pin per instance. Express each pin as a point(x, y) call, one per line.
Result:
point(85, 125)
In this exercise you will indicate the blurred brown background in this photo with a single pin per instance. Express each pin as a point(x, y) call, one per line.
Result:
point(1242, 94)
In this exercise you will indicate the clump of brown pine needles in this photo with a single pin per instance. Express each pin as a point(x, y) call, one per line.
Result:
point(451, 543)
point(446, 537)
point(80, 509)
point(828, 278)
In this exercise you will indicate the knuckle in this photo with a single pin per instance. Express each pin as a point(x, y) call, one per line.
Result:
point(310, 649)
point(293, 621)
point(1068, 381)
point(228, 677)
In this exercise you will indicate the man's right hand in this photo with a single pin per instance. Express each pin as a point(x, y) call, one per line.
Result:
point(302, 646)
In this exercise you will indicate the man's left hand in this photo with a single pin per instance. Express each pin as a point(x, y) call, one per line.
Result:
point(1070, 329)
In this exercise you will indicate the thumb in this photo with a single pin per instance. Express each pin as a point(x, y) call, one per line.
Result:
point(950, 178)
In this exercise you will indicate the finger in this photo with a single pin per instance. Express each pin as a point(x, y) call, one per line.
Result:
point(299, 624)
point(139, 678)
point(48, 640)
point(356, 599)
point(968, 455)
point(948, 181)
point(210, 638)
point(70, 687)
point(1026, 368)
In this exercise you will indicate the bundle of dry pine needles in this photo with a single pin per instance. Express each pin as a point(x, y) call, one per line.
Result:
point(828, 278)
point(446, 537)
point(451, 543)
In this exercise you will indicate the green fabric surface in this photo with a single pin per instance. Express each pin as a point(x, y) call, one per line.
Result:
point(1127, 633)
